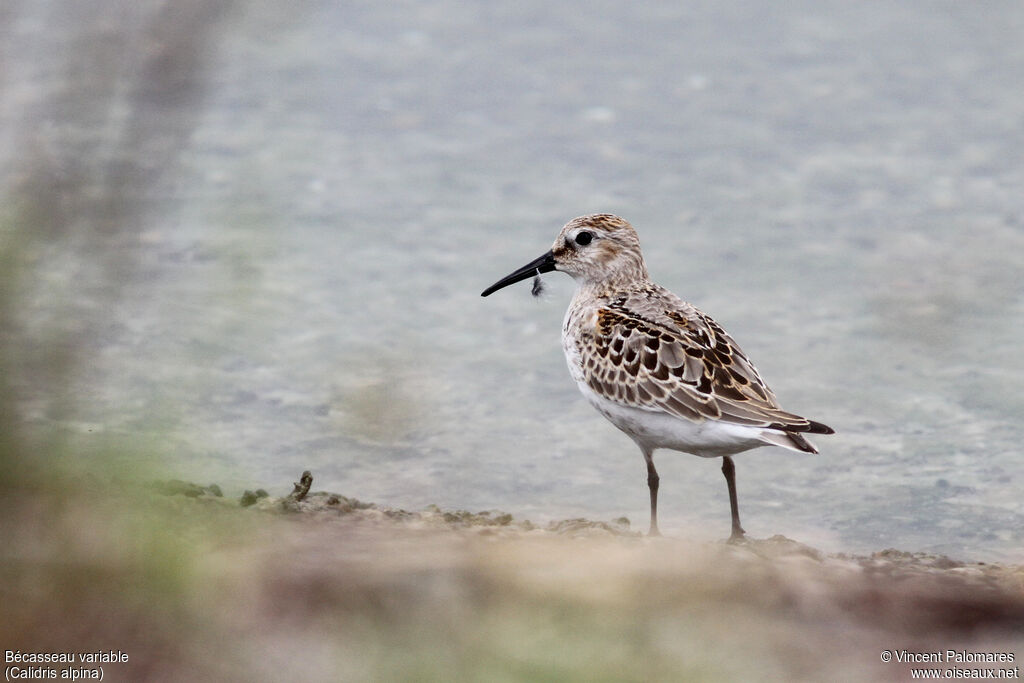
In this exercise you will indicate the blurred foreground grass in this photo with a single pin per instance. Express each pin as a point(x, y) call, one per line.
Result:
point(199, 588)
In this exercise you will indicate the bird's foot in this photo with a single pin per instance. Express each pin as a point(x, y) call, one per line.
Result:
point(738, 537)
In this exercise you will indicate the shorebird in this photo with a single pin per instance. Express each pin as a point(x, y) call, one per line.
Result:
point(655, 366)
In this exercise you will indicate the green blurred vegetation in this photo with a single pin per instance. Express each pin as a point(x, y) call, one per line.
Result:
point(86, 564)
point(102, 128)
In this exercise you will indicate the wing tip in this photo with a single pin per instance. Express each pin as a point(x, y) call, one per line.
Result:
point(811, 427)
point(818, 428)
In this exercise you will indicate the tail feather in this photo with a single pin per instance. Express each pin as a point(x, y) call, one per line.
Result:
point(800, 442)
point(794, 441)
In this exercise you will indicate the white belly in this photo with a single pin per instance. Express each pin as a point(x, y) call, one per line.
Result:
point(654, 429)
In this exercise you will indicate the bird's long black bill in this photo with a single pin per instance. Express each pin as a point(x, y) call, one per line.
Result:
point(544, 264)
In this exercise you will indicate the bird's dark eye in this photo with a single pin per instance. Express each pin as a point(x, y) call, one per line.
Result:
point(584, 238)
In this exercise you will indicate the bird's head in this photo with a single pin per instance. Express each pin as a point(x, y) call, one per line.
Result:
point(595, 249)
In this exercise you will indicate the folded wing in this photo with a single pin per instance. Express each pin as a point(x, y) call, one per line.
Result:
point(680, 361)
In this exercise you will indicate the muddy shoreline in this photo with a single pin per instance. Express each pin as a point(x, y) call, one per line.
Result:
point(932, 591)
point(315, 585)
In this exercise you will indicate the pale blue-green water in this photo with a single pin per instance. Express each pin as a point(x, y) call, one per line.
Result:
point(838, 184)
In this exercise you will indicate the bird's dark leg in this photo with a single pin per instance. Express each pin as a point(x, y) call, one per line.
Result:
point(652, 484)
point(729, 470)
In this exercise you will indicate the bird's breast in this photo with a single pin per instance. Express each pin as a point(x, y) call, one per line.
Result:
point(578, 330)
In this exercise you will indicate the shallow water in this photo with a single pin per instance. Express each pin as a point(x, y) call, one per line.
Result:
point(838, 185)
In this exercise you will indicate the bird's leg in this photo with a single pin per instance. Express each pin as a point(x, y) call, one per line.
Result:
point(652, 484)
point(729, 470)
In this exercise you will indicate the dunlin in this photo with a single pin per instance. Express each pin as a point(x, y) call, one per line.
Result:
point(658, 368)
